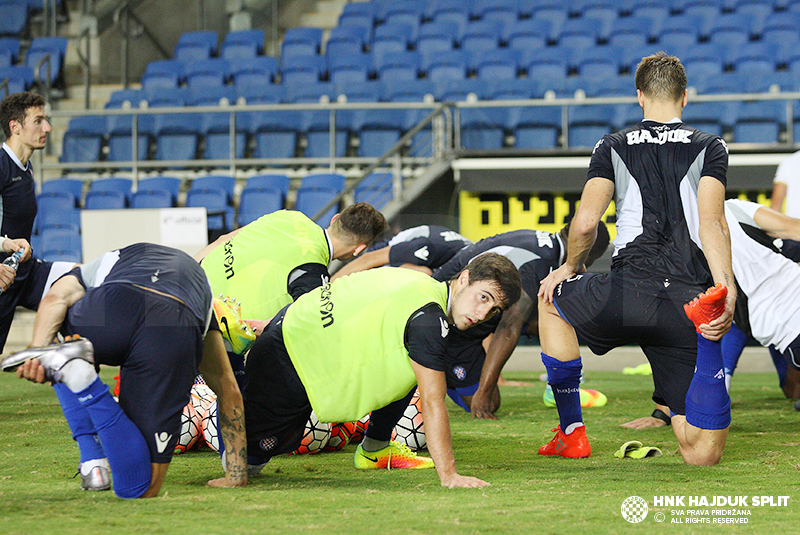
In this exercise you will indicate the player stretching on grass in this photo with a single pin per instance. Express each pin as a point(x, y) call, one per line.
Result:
point(280, 256)
point(669, 181)
point(145, 308)
point(362, 342)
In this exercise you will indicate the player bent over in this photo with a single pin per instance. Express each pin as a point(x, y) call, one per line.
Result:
point(145, 308)
point(672, 243)
point(361, 343)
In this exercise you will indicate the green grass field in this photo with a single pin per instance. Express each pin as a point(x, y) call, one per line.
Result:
point(324, 494)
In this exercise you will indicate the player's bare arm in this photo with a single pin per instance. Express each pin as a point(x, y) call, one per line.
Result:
point(370, 260)
point(716, 242)
point(218, 374)
point(53, 309)
point(432, 392)
point(596, 196)
point(505, 339)
point(777, 225)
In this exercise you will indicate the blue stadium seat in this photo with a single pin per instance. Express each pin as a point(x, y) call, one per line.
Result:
point(601, 62)
point(406, 12)
point(323, 180)
point(500, 64)
point(41, 47)
point(11, 44)
point(223, 182)
point(707, 11)
point(187, 53)
point(398, 66)
point(679, 30)
point(375, 189)
point(516, 89)
point(437, 37)
point(220, 215)
point(120, 142)
point(160, 97)
point(152, 199)
point(579, 33)
point(447, 65)
point(390, 38)
point(120, 185)
point(631, 32)
point(346, 40)
point(537, 127)
point(211, 96)
point(244, 50)
point(706, 116)
point(13, 19)
point(301, 42)
point(358, 14)
point(758, 59)
point(379, 131)
point(216, 131)
point(177, 136)
point(57, 209)
point(207, 73)
point(245, 36)
point(310, 201)
point(602, 15)
point(70, 186)
point(278, 183)
point(207, 38)
point(556, 15)
point(83, 139)
point(256, 202)
point(61, 245)
point(302, 70)
point(163, 74)
point(275, 133)
point(549, 64)
point(730, 30)
point(481, 35)
point(759, 122)
point(20, 77)
point(529, 36)
point(170, 185)
point(756, 13)
point(706, 59)
point(587, 124)
point(781, 28)
point(119, 98)
point(349, 68)
point(104, 200)
point(254, 71)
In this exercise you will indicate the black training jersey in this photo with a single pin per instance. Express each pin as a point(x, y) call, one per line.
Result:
point(17, 201)
point(534, 252)
point(656, 168)
point(156, 267)
point(426, 245)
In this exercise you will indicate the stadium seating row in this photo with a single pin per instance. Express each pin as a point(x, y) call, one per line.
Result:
point(21, 74)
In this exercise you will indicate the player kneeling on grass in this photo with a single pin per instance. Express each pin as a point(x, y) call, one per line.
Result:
point(145, 308)
point(361, 343)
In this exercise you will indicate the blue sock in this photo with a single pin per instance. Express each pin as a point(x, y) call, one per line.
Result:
point(80, 424)
point(780, 364)
point(732, 345)
point(565, 379)
point(708, 405)
point(127, 451)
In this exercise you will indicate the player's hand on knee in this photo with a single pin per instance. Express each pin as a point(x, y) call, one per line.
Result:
point(459, 481)
point(32, 371)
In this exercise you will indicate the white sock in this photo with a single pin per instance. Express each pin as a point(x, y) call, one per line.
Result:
point(78, 374)
point(572, 427)
point(87, 466)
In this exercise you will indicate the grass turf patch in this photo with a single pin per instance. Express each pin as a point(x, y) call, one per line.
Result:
point(325, 494)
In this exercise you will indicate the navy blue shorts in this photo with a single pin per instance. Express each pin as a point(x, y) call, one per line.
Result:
point(610, 310)
point(276, 406)
point(158, 343)
point(463, 364)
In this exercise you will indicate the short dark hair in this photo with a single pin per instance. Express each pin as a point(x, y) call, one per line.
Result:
point(661, 77)
point(359, 223)
point(498, 269)
point(600, 243)
point(15, 106)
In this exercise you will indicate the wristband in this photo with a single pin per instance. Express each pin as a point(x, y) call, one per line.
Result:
point(663, 416)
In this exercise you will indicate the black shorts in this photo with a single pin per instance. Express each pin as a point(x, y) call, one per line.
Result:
point(276, 406)
point(158, 343)
point(610, 310)
point(27, 292)
point(463, 360)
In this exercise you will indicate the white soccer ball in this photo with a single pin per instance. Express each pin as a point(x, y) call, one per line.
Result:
point(315, 438)
point(410, 429)
point(210, 428)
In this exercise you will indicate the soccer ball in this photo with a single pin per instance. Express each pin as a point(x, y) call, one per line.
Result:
point(315, 438)
point(210, 429)
point(191, 429)
point(340, 436)
point(202, 397)
point(358, 432)
point(409, 429)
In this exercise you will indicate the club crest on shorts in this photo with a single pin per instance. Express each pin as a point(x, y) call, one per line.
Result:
point(460, 372)
point(268, 443)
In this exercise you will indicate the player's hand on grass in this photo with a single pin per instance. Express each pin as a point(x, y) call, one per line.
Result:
point(645, 422)
point(481, 407)
point(459, 481)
